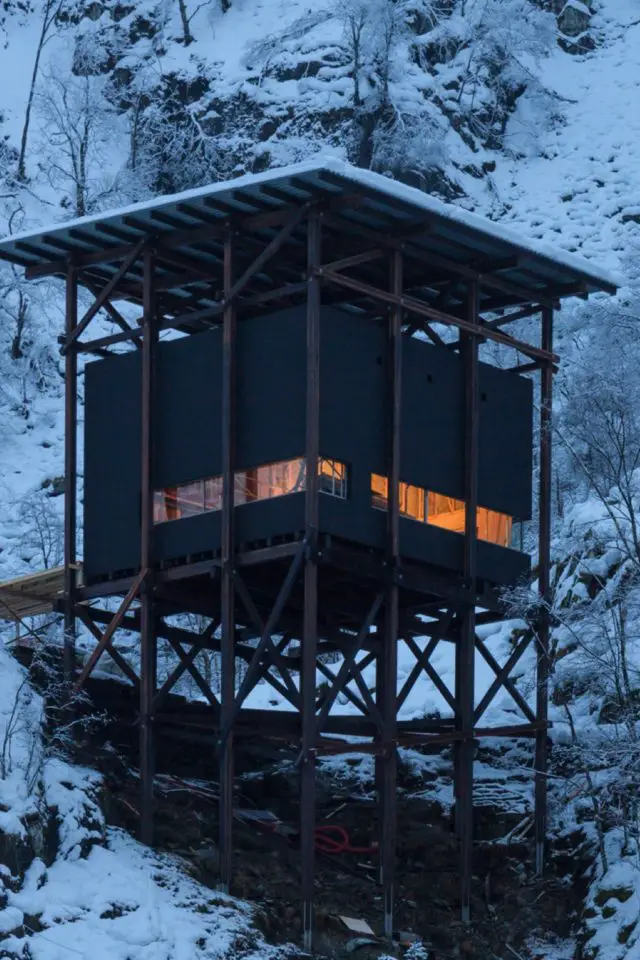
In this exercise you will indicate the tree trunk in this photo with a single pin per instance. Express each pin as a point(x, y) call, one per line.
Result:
point(47, 21)
point(187, 36)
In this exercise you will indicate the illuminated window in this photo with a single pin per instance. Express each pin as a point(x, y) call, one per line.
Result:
point(379, 491)
point(442, 511)
point(173, 503)
point(495, 527)
point(412, 499)
point(213, 494)
point(258, 483)
point(445, 512)
point(270, 480)
point(332, 478)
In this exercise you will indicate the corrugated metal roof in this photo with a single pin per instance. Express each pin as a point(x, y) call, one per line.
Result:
point(191, 256)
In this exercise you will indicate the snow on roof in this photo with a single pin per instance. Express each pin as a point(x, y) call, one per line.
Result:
point(385, 187)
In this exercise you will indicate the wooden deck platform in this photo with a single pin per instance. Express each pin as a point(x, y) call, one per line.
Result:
point(33, 594)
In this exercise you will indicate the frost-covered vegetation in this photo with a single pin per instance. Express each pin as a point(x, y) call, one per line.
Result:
point(522, 110)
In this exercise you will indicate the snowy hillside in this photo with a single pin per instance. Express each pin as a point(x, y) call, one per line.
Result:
point(525, 111)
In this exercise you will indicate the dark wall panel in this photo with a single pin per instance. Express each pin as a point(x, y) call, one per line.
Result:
point(270, 408)
point(270, 415)
point(188, 441)
point(270, 396)
point(254, 521)
point(112, 465)
point(506, 442)
point(432, 439)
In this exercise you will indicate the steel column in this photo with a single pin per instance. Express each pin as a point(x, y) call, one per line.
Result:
point(544, 562)
point(310, 614)
point(388, 660)
point(148, 658)
point(70, 476)
point(465, 649)
point(227, 595)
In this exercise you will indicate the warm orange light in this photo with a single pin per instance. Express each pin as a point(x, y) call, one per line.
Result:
point(442, 511)
point(257, 483)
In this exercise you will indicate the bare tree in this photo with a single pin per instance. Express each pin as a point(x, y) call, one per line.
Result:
point(600, 429)
point(50, 12)
point(355, 16)
point(171, 146)
point(78, 124)
point(41, 526)
point(15, 304)
point(186, 18)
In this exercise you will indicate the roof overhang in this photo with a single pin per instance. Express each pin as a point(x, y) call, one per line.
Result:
point(447, 245)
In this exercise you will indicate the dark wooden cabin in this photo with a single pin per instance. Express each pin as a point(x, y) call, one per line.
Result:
point(270, 444)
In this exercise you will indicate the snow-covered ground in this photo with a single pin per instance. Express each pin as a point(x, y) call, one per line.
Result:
point(95, 892)
point(583, 180)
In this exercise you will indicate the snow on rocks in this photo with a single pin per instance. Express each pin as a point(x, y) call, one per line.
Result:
point(613, 908)
point(124, 902)
point(77, 888)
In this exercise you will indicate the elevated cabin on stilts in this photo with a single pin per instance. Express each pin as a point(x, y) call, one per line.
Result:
point(319, 431)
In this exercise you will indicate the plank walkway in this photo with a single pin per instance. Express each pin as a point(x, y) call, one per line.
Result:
point(33, 594)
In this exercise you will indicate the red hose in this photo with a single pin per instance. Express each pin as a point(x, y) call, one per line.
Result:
point(334, 840)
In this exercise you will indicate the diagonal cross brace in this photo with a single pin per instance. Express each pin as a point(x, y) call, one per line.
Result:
point(115, 315)
point(168, 685)
point(341, 678)
point(274, 245)
point(104, 295)
point(505, 681)
point(187, 660)
point(349, 694)
point(269, 251)
point(272, 651)
point(183, 665)
point(115, 655)
point(111, 629)
point(499, 680)
point(266, 643)
point(422, 662)
point(423, 657)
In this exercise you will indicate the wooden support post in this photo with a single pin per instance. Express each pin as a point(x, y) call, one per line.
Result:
point(544, 563)
point(148, 640)
point(465, 649)
point(310, 614)
point(227, 588)
point(388, 660)
point(70, 478)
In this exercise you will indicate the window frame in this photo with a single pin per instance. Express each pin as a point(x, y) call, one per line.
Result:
point(211, 487)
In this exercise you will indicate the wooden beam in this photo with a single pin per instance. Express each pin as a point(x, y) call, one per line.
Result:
point(111, 629)
point(104, 295)
point(413, 305)
point(116, 656)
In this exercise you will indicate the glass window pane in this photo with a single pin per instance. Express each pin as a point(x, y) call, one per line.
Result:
point(332, 478)
point(240, 487)
point(379, 488)
point(288, 477)
point(446, 512)
point(166, 506)
point(159, 510)
point(270, 480)
point(213, 493)
point(494, 527)
point(412, 501)
point(191, 498)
